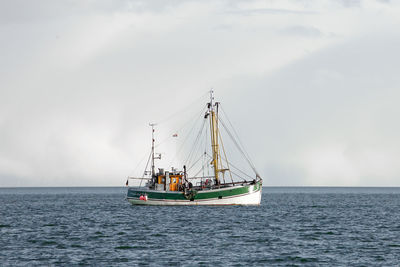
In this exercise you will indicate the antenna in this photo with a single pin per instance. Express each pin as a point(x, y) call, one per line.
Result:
point(152, 149)
point(211, 97)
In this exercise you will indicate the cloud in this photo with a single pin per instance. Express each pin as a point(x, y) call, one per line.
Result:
point(82, 80)
point(270, 11)
point(330, 116)
point(302, 31)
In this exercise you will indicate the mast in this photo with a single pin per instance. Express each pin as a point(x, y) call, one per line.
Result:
point(153, 173)
point(214, 135)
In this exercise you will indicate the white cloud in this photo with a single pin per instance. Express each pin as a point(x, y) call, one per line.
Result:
point(81, 80)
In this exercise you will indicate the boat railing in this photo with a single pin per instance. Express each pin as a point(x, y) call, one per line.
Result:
point(201, 177)
point(201, 182)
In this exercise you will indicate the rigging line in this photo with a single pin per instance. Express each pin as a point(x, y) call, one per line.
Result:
point(237, 136)
point(210, 157)
point(186, 138)
point(192, 158)
point(195, 144)
point(197, 173)
point(205, 162)
point(220, 161)
point(191, 151)
point(190, 164)
point(234, 131)
point(239, 176)
point(140, 162)
point(184, 125)
point(144, 173)
point(226, 159)
point(199, 147)
point(236, 168)
point(199, 150)
point(235, 142)
point(238, 147)
point(183, 109)
point(194, 163)
point(208, 130)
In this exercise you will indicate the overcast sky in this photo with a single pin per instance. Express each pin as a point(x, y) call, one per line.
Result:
point(312, 86)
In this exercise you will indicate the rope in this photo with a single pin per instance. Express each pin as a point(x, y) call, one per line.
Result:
point(239, 147)
point(144, 173)
point(194, 163)
point(194, 147)
point(226, 158)
point(180, 129)
point(182, 109)
point(187, 136)
point(137, 166)
point(236, 168)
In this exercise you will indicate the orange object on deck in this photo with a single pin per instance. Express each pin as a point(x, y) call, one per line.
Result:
point(175, 180)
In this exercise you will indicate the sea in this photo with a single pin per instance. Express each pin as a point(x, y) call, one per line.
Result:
point(293, 226)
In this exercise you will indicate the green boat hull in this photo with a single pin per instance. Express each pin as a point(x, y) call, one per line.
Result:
point(242, 194)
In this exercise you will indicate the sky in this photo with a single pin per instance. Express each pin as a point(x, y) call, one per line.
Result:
point(312, 86)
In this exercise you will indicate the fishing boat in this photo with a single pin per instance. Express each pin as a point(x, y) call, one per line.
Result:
point(223, 185)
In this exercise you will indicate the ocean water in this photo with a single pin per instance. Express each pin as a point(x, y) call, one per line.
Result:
point(293, 226)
